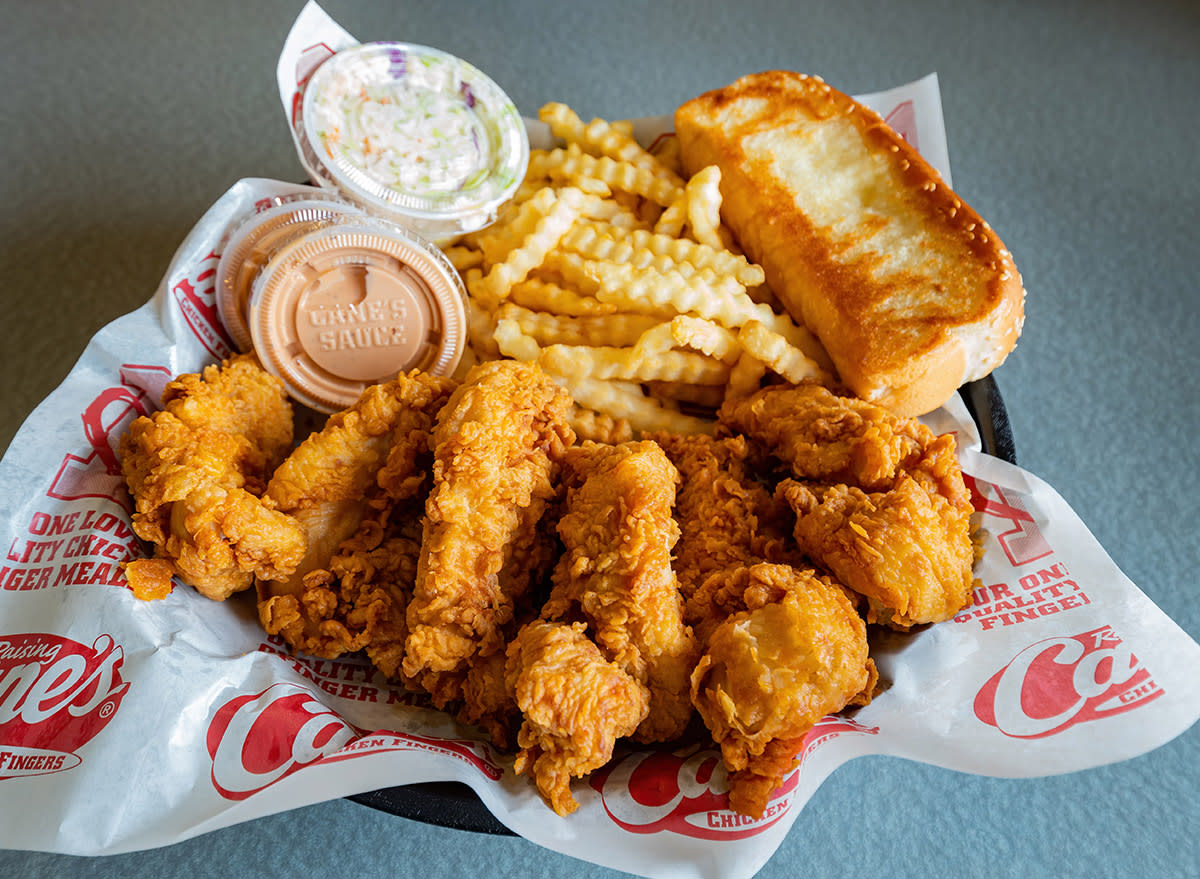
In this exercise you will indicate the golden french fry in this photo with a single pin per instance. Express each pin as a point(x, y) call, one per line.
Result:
point(463, 258)
point(778, 354)
point(666, 149)
point(670, 222)
point(573, 166)
point(704, 206)
point(705, 336)
point(614, 330)
point(609, 242)
point(589, 424)
point(550, 228)
point(627, 400)
point(605, 362)
point(537, 294)
point(512, 342)
point(601, 138)
point(746, 377)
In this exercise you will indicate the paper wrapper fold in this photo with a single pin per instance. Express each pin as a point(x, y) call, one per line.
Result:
point(201, 721)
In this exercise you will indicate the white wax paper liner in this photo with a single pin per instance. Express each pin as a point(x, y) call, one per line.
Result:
point(201, 722)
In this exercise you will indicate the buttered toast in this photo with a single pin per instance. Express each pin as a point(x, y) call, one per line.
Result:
point(910, 292)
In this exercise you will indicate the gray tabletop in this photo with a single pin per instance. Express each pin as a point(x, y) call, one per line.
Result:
point(1072, 128)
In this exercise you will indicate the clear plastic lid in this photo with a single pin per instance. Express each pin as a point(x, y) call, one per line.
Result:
point(353, 303)
point(413, 134)
point(249, 245)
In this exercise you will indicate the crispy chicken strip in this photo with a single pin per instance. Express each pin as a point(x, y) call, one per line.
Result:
point(497, 447)
point(575, 705)
point(795, 653)
point(727, 519)
point(196, 469)
point(356, 473)
point(826, 438)
point(615, 573)
point(908, 551)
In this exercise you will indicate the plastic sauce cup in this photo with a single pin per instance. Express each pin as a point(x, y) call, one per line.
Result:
point(353, 303)
point(249, 245)
point(412, 134)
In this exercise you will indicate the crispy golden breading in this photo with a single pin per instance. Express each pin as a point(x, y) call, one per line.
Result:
point(797, 652)
point(497, 447)
point(907, 551)
point(615, 572)
point(727, 519)
point(575, 705)
point(195, 470)
point(348, 485)
point(827, 438)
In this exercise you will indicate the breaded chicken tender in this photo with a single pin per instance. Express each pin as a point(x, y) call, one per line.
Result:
point(615, 573)
point(196, 470)
point(497, 447)
point(350, 486)
point(575, 705)
point(797, 652)
point(823, 437)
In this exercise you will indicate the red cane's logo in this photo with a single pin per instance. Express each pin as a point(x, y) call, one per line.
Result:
point(106, 418)
point(688, 793)
point(1023, 542)
point(55, 696)
point(197, 303)
point(903, 120)
point(257, 739)
point(469, 751)
point(1056, 683)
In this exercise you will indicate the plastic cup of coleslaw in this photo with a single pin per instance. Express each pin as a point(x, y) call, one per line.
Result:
point(413, 134)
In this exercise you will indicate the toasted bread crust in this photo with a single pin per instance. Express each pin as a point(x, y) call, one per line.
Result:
point(909, 290)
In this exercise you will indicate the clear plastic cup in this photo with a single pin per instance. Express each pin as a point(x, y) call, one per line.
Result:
point(412, 134)
point(353, 303)
point(251, 242)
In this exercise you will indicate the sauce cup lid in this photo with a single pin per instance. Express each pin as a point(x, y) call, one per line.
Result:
point(413, 134)
point(249, 244)
point(354, 303)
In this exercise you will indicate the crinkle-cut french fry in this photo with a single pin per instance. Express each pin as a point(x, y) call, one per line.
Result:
point(606, 362)
point(573, 269)
point(538, 294)
point(704, 206)
point(624, 126)
point(481, 322)
point(602, 138)
point(670, 222)
point(589, 424)
point(633, 289)
point(706, 337)
point(606, 241)
point(548, 231)
point(512, 342)
point(627, 400)
point(572, 166)
point(746, 377)
point(700, 396)
point(515, 225)
point(666, 149)
point(614, 330)
point(463, 257)
point(798, 336)
point(780, 356)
